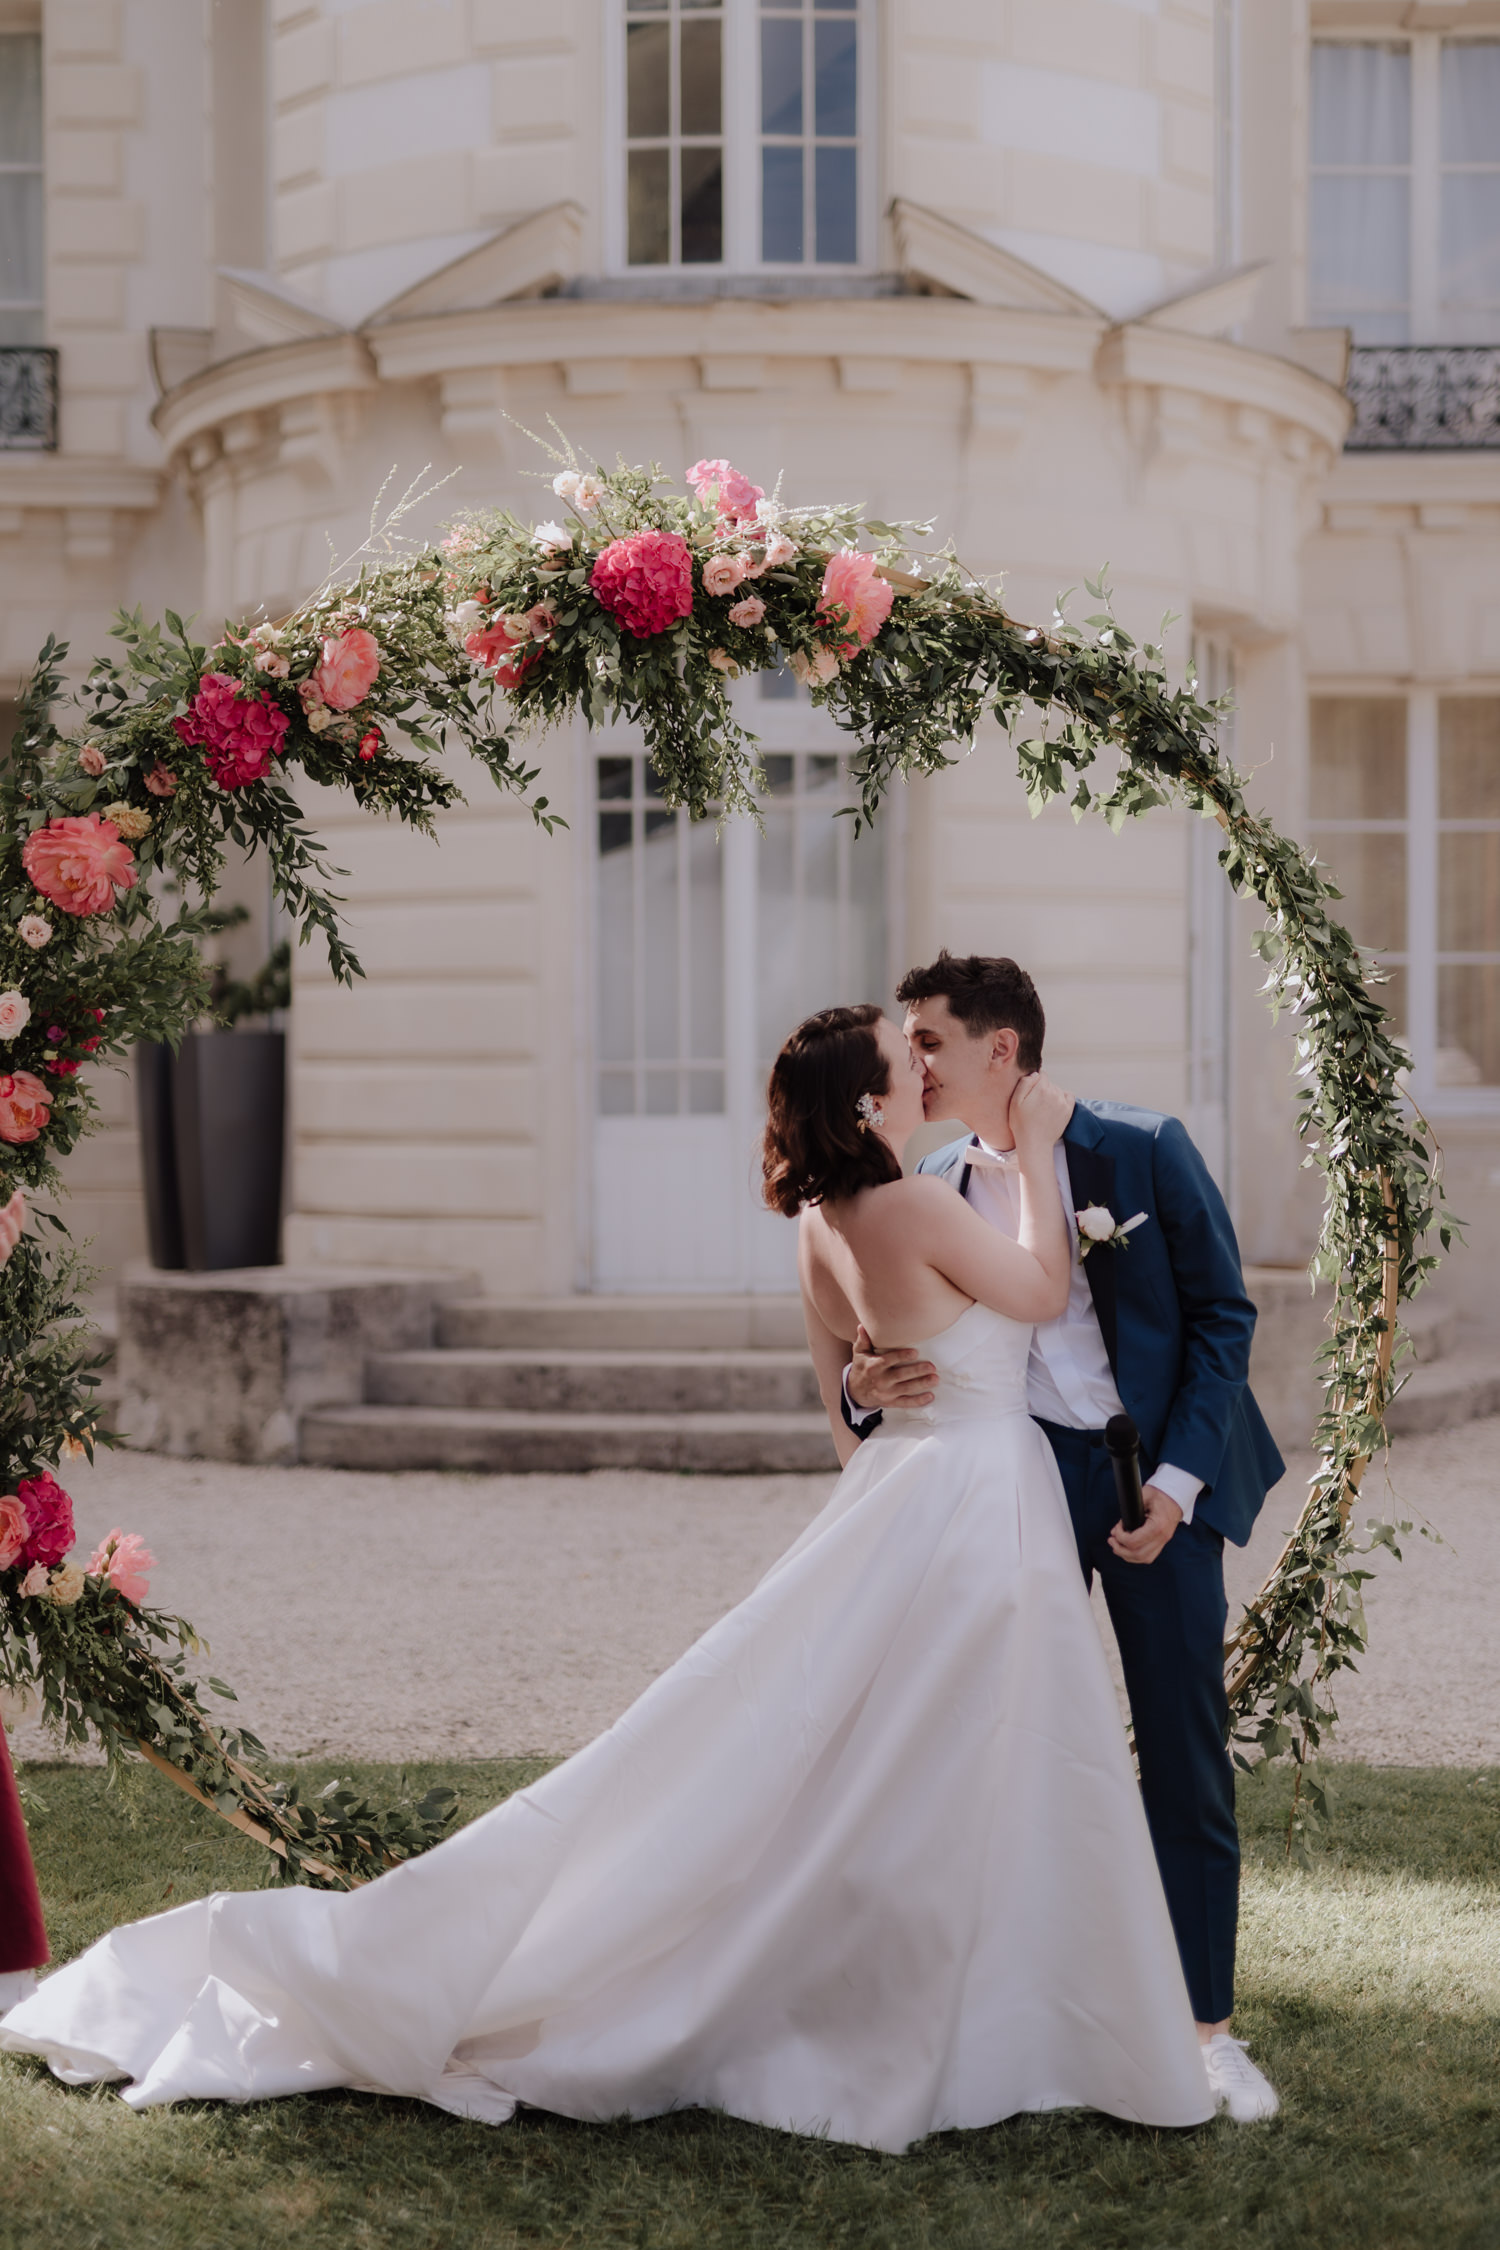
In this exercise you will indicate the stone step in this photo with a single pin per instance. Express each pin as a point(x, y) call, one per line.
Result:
point(1462, 1386)
point(597, 1382)
point(406, 1437)
point(639, 1324)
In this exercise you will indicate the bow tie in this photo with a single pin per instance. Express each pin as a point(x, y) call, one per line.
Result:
point(991, 1159)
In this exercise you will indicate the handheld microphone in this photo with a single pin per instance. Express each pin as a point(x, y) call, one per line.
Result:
point(1122, 1442)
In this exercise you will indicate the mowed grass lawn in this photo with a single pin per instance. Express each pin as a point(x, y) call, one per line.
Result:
point(1370, 1990)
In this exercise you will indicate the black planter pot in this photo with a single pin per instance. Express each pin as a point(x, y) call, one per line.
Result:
point(212, 1129)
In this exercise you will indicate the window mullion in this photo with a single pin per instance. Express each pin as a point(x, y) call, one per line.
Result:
point(1422, 886)
point(1426, 186)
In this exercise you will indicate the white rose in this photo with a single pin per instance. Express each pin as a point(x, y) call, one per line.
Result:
point(1097, 1223)
point(467, 618)
point(67, 1583)
point(589, 494)
point(15, 1014)
point(567, 484)
point(552, 535)
point(33, 931)
point(318, 717)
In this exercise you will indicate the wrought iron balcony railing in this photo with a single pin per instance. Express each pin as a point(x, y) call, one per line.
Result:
point(1424, 398)
point(28, 398)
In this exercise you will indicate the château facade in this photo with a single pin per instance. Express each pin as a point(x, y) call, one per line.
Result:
point(1206, 291)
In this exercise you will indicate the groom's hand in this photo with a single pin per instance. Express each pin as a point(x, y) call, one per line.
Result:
point(1143, 1546)
point(890, 1378)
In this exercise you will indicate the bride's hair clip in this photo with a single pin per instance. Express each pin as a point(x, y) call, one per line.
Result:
point(870, 1112)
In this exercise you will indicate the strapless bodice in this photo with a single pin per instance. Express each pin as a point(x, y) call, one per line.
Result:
point(981, 1363)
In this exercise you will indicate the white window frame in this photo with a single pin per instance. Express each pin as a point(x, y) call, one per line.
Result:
point(741, 121)
point(1424, 168)
point(1422, 826)
point(26, 30)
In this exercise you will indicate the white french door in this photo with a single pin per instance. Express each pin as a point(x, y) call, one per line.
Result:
point(707, 950)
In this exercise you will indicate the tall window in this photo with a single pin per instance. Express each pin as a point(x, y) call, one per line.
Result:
point(1405, 805)
point(1405, 195)
point(743, 132)
point(21, 216)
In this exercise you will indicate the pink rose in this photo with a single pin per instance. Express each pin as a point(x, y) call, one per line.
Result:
point(239, 734)
point(736, 495)
point(161, 781)
point(350, 668)
point(124, 1559)
point(814, 667)
point(92, 759)
point(25, 1106)
point(541, 619)
point(497, 649)
point(49, 1513)
point(35, 1581)
point(15, 1014)
point(855, 597)
point(33, 931)
point(646, 581)
point(722, 573)
point(722, 661)
point(748, 612)
point(79, 862)
point(779, 551)
point(271, 660)
point(15, 1528)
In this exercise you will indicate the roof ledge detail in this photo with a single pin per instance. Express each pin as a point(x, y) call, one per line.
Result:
point(938, 251)
point(538, 254)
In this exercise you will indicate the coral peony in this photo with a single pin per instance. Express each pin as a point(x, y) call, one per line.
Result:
point(15, 1014)
point(239, 734)
point(161, 781)
point(737, 496)
point(854, 596)
point(722, 573)
point(49, 1516)
point(33, 931)
point(748, 612)
point(15, 1529)
point(124, 1559)
point(496, 648)
point(79, 862)
point(92, 759)
point(646, 581)
point(350, 668)
point(25, 1106)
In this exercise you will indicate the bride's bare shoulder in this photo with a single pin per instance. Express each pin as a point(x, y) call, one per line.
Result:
point(897, 1201)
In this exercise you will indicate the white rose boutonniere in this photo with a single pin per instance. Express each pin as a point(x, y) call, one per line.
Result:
point(1097, 1226)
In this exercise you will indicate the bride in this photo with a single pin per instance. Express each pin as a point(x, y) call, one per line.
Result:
point(869, 1861)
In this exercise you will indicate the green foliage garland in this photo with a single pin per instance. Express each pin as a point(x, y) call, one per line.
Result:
point(642, 605)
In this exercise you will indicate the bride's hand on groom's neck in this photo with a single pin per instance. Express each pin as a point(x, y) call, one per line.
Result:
point(1039, 1113)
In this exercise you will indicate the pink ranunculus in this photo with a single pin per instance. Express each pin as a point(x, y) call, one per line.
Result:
point(722, 573)
point(350, 668)
point(35, 1581)
point(49, 1515)
point(15, 1529)
point(25, 1106)
point(15, 1014)
point(646, 581)
point(748, 612)
point(271, 660)
point(80, 862)
point(541, 620)
point(92, 759)
point(499, 648)
point(124, 1559)
point(161, 781)
point(736, 494)
point(722, 661)
point(815, 667)
point(239, 734)
point(779, 551)
point(851, 587)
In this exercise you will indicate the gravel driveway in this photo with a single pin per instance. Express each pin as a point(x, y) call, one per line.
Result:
point(429, 1616)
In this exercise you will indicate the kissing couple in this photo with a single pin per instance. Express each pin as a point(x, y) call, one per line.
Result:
point(870, 1860)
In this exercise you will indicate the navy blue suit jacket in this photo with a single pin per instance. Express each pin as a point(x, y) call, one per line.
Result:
point(1172, 1306)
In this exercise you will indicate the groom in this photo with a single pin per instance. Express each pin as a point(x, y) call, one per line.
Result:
point(1157, 1324)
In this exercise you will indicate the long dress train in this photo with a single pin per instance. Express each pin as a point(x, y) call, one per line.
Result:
point(869, 1861)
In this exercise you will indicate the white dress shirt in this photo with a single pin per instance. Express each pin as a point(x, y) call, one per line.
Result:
point(1068, 1378)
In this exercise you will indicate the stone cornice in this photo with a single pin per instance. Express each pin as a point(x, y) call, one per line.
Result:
point(1163, 359)
point(254, 381)
point(1415, 480)
point(78, 480)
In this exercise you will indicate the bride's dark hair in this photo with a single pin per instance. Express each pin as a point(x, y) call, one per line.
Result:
point(816, 1144)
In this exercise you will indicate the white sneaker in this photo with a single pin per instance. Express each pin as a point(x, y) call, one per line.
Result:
point(1234, 2080)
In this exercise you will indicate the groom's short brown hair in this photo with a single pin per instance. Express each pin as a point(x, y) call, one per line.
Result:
point(986, 993)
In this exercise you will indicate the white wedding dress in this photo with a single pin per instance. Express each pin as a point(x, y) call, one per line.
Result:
point(869, 1861)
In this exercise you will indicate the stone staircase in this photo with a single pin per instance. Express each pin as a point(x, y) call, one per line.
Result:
point(715, 1384)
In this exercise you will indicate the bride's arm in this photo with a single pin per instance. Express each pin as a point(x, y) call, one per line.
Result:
point(830, 1356)
point(1026, 1279)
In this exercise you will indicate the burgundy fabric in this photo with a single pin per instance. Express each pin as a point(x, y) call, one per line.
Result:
point(23, 1935)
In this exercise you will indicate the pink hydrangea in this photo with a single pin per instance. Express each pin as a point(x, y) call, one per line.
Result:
point(124, 1559)
point(239, 734)
point(855, 597)
point(350, 668)
point(49, 1518)
point(25, 1106)
point(736, 494)
point(505, 647)
point(80, 862)
point(646, 581)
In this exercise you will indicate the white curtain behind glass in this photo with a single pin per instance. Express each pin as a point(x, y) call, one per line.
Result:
point(1469, 263)
point(20, 188)
point(1359, 248)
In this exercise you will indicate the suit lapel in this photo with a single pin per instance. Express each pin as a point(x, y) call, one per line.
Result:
point(1091, 1176)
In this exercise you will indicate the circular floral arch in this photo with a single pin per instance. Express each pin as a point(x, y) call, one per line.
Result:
point(642, 604)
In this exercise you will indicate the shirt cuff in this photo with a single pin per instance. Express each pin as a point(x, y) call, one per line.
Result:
point(1179, 1485)
point(859, 1415)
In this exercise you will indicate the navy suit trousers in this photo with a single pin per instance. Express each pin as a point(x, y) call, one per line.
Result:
point(1168, 1618)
